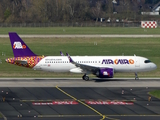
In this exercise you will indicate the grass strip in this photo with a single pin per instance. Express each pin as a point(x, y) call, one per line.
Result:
point(1, 115)
point(146, 47)
point(78, 30)
point(155, 93)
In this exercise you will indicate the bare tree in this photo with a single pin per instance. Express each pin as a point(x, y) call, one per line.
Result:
point(71, 6)
point(41, 11)
point(82, 11)
point(97, 10)
point(38, 11)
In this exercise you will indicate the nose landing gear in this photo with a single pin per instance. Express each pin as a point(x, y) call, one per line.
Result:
point(136, 76)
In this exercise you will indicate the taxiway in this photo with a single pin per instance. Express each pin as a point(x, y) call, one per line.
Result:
point(67, 99)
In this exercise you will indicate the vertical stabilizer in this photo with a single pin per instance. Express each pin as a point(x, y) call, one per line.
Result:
point(20, 49)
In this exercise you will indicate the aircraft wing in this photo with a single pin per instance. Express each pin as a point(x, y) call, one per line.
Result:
point(85, 68)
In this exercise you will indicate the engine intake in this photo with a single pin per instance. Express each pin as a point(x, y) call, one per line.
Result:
point(105, 73)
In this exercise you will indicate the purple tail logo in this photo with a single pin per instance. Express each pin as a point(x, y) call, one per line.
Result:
point(18, 45)
point(20, 49)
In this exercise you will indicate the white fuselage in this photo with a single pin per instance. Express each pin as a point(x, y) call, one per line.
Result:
point(118, 63)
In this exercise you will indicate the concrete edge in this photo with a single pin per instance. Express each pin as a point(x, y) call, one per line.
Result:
point(85, 36)
point(75, 78)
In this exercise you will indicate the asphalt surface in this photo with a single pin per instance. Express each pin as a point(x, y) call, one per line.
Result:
point(80, 103)
point(78, 82)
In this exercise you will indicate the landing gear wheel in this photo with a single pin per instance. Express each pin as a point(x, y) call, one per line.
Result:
point(85, 77)
point(136, 76)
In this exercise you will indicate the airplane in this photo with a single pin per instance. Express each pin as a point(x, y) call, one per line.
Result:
point(100, 66)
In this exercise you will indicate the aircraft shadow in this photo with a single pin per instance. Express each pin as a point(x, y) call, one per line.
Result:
point(107, 80)
point(92, 79)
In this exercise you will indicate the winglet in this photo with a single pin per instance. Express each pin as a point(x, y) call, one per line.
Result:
point(61, 53)
point(69, 57)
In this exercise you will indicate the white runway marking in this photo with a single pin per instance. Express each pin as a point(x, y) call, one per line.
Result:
point(85, 36)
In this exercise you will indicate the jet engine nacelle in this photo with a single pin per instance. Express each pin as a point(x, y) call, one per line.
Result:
point(105, 73)
point(76, 70)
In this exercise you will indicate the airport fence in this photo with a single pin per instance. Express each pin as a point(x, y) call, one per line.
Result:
point(74, 24)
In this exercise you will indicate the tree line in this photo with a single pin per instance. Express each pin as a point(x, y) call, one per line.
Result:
point(50, 11)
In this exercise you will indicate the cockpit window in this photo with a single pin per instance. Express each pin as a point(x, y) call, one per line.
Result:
point(147, 61)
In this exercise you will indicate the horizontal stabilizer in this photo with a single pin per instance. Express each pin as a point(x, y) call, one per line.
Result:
point(23, 62)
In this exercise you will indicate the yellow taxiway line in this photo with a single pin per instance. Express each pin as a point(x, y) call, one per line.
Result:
point(103, 116)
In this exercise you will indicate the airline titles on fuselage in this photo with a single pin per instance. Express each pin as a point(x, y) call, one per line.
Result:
point(117, 61)
point(104, 61)
point(52, 60)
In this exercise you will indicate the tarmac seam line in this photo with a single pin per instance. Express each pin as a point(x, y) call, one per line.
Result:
point(103, 116)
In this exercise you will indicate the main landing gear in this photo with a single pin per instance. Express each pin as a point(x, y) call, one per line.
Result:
point(136, 76)
point(85, 77)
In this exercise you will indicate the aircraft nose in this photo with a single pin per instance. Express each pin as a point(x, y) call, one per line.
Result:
point(154, 66)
